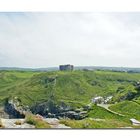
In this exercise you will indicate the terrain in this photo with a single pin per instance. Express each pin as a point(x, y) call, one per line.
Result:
point(68, 95)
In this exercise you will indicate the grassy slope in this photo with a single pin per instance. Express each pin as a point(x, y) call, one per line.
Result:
point(10, 80)
point(99, 117)
point(128, 108)
point(87, 123)
point(99, 112)
point(75, 88)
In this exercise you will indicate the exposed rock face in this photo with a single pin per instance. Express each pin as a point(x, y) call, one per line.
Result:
point(14, 108)
point(46, 109)
point(58, 112)
point(51, 110)
point(74, 115)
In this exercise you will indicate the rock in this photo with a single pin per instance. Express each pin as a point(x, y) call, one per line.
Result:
point(135, 122)
point(52, 121)
point(39, 116)
point(87, 107)
point(11, 123)
point(50, 115)
point(45, 108)
point(51, 109)
point(74, 115)
point(61, 126)
point(26, 125)
point(14, 108)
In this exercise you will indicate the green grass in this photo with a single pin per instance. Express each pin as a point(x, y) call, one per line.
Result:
point(75, 88)
point(128, 108)
point(87, 123)
point(99, 117)
point(37, 122)
point(101, 113)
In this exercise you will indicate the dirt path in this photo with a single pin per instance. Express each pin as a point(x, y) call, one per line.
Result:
point(105, 106)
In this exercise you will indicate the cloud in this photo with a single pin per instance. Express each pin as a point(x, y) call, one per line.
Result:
point(50, 39)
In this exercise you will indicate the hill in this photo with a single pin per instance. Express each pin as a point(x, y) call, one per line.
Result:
point(128, 108)
point(77, 87)
point(67, 90)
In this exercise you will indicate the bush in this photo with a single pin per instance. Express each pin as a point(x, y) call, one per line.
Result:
point(36, 121)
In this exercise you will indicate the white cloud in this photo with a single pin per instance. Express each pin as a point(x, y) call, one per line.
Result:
point(50, 39)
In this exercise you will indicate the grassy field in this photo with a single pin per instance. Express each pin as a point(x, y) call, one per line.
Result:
point(101, 113)
point(87, 123)
point(77, 87)
point(128, 108)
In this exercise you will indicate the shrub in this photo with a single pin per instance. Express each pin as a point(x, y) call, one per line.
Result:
point(36, 121)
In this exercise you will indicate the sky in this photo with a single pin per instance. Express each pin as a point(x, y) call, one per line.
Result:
point(83, 39)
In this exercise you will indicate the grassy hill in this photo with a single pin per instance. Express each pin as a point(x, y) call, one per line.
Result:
point(129, 108)
point(99, 112)
point(11, 79)
point(75, 88)
point(88, 123)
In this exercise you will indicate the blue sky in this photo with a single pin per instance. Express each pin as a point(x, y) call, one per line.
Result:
point(50, 39)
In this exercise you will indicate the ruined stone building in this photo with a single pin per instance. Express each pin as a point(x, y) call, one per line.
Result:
point(66, 67)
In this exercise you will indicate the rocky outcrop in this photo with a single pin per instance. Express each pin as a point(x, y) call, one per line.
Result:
point(14, 108)
point(74, 115)
point(51, 110)
point(46, 109)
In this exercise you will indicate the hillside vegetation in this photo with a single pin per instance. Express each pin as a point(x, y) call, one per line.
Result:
point(45, 92)
point(128, 108)
point(75, 88)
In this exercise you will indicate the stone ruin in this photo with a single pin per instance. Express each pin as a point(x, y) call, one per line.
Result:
point(66, 67)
